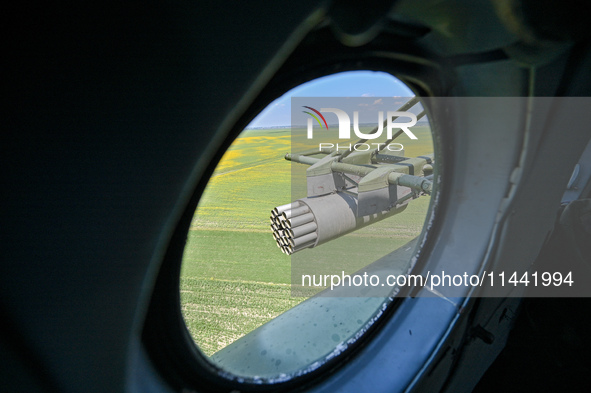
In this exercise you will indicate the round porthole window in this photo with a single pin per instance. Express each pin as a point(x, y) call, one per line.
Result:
point(305, 226)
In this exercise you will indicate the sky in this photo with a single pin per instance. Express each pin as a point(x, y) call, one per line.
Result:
point(344, 84)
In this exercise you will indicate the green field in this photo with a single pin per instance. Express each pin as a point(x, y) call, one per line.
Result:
point(233, 277)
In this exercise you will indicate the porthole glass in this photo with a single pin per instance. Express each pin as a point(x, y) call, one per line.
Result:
point(274, 212)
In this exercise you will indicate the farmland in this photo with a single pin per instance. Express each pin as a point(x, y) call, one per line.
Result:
point(233, 277)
